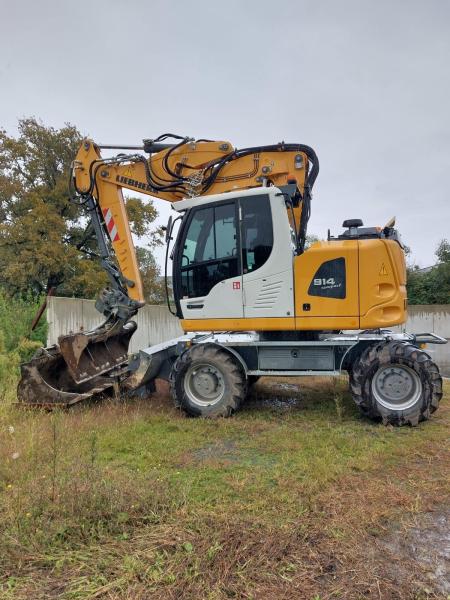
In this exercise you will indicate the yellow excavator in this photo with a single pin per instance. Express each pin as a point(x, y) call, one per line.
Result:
point(252, 299)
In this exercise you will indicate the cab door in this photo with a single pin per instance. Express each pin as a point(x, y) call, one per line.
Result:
point(267, 254)
point(210, 283)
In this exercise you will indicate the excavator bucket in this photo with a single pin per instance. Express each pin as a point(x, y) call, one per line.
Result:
point(80, 366)
point(91, 354)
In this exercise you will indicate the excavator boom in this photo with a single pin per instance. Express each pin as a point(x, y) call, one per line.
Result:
point(185, 170)
point(86, 363)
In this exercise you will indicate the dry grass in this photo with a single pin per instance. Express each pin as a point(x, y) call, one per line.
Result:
point(295, 497)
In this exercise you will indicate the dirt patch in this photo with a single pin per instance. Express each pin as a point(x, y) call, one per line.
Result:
point(223, 450)
point(423, 551)
point(276, 395)
point(227, 453)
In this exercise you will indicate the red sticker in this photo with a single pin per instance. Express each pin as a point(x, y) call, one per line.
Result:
point(110, 225)
point(236, 285)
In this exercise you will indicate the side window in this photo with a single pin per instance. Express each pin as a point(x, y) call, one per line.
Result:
point(210, 250)
point(200, 230)
point(225, 229)
point(257, 234)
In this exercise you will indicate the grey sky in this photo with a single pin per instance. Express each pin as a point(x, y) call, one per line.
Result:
point(366, 83)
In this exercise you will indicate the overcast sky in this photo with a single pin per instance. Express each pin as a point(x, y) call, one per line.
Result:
point(365, 82)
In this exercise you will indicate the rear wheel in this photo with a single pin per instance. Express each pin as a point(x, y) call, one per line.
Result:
point(396, 382)
point(207, 381)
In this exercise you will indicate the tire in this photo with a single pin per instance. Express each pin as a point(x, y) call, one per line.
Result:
point(207, 381)
point(397, 383)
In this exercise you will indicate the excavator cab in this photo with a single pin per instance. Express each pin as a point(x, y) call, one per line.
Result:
point(233, 260)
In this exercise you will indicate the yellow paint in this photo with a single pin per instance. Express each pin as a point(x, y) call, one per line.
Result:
point(326, 323)
point(254, 324)
point(110, 196)
point(306, 266)
point(375, 286)
point(382, 296)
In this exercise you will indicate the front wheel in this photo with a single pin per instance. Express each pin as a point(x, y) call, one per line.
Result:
point(206, 381)
point(396, 382)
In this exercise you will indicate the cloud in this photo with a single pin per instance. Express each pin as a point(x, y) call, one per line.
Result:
point(365, 83)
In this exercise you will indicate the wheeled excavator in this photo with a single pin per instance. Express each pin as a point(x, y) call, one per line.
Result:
point(253, 300)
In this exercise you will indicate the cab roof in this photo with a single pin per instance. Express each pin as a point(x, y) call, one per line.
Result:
point(188, 203)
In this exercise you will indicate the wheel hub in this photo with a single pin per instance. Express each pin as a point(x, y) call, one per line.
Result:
point(204, 384)
point(396, 387)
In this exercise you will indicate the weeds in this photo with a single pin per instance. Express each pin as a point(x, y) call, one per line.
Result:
point(338, 396)
point(17, 342)
point(134, 501)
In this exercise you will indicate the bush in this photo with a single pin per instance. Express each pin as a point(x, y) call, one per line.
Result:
point(17, 342)
point(16, 316)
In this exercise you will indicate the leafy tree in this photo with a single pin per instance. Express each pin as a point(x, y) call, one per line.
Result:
point(443, 252)
point(40, 229)
point(432, 287)
point(154, 286)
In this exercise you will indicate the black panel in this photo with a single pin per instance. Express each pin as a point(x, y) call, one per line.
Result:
point(256, 232)
point(329, 280)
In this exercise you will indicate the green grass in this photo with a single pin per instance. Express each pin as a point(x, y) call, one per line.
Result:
point(17, 342)
point(134, 500)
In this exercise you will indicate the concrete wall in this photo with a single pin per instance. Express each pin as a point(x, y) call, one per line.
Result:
point(68, 315)
point(434, 318)
point(156, 324)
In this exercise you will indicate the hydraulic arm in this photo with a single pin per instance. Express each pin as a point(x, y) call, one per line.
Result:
point(86, 362)
point(184, 170)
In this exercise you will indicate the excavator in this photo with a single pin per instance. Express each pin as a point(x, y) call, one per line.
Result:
point(252, 298)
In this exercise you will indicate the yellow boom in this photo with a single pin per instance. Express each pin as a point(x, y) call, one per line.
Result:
point(188, 169)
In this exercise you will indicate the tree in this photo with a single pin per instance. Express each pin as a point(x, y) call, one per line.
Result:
point(433, 286)
point(40, 228)
point(154, 286)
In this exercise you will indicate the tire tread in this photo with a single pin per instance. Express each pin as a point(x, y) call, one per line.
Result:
point(394, 352)
point(228, 365)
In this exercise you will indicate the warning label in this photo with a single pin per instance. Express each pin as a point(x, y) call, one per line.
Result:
point(383, 270)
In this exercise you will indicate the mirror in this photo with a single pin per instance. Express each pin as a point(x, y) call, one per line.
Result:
point(168, 229)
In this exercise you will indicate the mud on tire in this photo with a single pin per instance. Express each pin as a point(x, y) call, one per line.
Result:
point(396, 382)
point(207, 381)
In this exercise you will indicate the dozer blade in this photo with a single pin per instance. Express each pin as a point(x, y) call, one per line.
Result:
point(77, 368)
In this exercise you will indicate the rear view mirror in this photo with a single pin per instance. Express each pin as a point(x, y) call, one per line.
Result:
point(168, 229)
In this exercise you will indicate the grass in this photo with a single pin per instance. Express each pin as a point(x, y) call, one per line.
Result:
point(294, 497)
point(17, 342)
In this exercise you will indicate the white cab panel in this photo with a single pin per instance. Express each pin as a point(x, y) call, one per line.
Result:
point(224, 301)
point(269, 291)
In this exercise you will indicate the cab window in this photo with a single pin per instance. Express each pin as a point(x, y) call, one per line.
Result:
point(257, 234)
point(209, 252)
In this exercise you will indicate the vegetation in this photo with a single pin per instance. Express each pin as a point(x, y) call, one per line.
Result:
point(294, 497)
point(17, 341)
point(42, 234)
point(433, 286)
